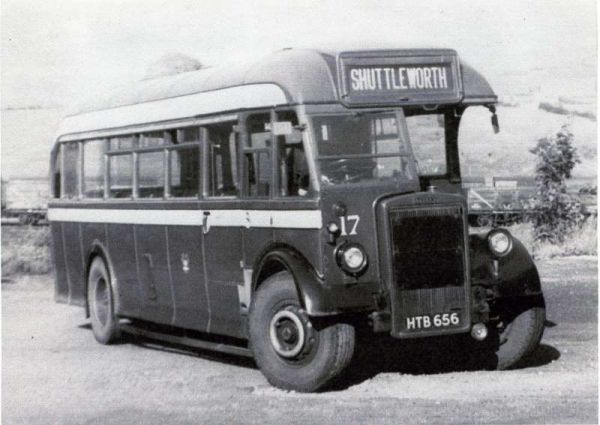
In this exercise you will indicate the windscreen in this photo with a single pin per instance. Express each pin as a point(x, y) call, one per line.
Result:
point(428, 141)
point(361, 148)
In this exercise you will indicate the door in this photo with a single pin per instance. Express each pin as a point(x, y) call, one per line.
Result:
point(185, 246)
point(153, 273)
point(222, 238)
point(185, 251)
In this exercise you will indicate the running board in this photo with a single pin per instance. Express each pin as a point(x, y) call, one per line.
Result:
point(191, 342)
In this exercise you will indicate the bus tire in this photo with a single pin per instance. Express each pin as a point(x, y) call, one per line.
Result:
point(288, 348)
point(100, 298)
point(520, 334)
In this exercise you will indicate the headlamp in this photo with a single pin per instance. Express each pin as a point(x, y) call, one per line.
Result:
point(351, 257)
point(500, 242)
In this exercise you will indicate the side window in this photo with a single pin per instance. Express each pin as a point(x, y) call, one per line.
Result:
point(184, 163)
point(93, 168)
point(189, 135)
point(120, 167)
point(120, 176)
point(151, 175)
point(222, 173)
point(258, 156)
point(294, 179)
point(70, 152)
point(122, 142)
point(151, 171)
point(153, 139)
point(56, 173)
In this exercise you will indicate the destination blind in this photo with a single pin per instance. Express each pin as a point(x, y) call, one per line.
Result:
point(401, 80)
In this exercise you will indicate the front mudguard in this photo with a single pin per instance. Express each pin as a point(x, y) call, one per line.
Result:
point(513, 275)
point(316, 297)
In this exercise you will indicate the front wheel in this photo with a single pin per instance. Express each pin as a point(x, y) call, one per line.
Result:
point(105, 324)
point(290, 350)
point(520, 331)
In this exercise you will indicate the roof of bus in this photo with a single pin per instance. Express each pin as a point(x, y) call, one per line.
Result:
point(290, 76)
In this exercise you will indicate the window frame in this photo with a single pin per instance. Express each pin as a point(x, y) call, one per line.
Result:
point(206, 158)
point(173, 136)
point(56, 168)
point(400, 116)
point(166, 148)
point(440, 146)
point(167, 168)
point(137, 172)
point(277, 117)
point(78, 170)
point(82, 144)
point(108, 187)
point(246, 149)
point(451, 129)
point(274, 191)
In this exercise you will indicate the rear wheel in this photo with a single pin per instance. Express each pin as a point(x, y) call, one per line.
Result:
point(292, 352)
point(519, 332)
point(105, 324)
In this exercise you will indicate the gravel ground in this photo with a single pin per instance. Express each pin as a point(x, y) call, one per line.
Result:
point(53, 372)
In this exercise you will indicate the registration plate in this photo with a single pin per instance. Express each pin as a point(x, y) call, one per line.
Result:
point(441, 320)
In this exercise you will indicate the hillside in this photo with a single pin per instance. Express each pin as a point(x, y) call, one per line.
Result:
point(26, 140)
point(507, 153)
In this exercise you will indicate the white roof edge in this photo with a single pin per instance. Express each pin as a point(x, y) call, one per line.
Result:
point(228, 99)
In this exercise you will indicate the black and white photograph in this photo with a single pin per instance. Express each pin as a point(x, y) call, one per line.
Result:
point(299, 212)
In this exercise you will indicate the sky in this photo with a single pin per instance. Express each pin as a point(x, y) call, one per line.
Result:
point(62, 52)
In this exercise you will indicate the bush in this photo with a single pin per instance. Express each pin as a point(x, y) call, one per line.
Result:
point(25, 250)
point(556, 213)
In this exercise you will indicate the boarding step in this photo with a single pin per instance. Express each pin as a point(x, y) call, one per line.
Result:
point(185, 340)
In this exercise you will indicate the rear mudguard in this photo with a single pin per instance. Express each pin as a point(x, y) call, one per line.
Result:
point(514, 274)
point(316, 297)
point(98, 249)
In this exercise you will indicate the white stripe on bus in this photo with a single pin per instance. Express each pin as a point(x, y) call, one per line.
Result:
point(289, 219)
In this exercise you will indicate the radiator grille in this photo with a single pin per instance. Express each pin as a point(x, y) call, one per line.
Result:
point(429, 266)
point(428, 247)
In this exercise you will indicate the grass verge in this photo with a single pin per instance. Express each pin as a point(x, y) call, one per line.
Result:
point(25, 250)
point(583, 241)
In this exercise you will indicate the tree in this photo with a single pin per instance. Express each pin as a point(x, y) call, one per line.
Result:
point(556, 212)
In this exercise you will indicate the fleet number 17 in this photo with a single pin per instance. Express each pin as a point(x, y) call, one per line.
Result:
point(349, 222)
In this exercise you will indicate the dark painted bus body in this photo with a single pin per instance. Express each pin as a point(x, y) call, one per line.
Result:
point(335, 174)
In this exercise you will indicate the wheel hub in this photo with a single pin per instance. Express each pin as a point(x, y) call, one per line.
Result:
point(287, 333)
point(101, 301)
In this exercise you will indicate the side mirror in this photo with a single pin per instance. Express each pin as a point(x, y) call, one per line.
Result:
point(495, 124)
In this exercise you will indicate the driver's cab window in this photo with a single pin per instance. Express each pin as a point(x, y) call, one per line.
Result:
point(294, 177)
point(362, 147)
point(427, 137)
